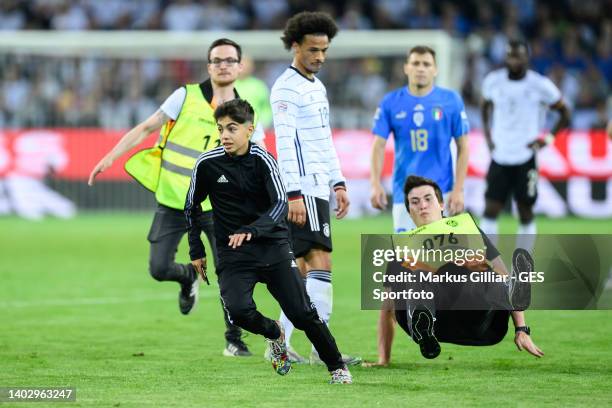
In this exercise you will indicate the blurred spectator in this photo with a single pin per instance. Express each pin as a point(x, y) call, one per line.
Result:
point(454, 22)
point(109, 14)
point(182, 15)
point(526, 11)
point(222, 15)
point(70, 15)
point(572, 55)
point(269, 13)
point(593, 89)
point(145, 14)
point(541, 58)
point(601, 117)
point(566, 82)
point(603, 58)
point(551, 39)
point(354, 17)
point(15, 95)
point(391, 13)
point(423, 17)
point(366, 86)
point(11, 16)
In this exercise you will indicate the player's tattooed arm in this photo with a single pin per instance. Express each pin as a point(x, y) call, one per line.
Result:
point(130, 140)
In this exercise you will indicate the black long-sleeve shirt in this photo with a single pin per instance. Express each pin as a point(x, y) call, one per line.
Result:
point(247, 196)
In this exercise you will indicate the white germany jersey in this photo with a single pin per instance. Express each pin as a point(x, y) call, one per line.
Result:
point(519, 110)
point(306, 154)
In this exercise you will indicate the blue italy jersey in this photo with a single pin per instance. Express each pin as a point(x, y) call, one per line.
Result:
point(423, 127)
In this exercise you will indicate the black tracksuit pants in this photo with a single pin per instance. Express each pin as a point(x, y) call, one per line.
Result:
point(168, 228)
point(237, 281)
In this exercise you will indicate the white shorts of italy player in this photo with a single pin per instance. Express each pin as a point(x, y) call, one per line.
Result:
point(401, 219)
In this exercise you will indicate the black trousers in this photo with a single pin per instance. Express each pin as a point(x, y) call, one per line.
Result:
point(474, 314)
point(463, 327)
point(284, 282)
point(167, 230)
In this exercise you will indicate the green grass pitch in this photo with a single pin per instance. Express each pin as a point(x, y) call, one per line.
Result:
point(78, 308)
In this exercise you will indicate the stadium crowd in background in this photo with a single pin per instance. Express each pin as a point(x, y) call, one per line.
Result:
point(570, 40)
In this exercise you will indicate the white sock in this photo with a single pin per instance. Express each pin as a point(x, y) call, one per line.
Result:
point(526, 236)
point(489, 227)
point(287, 325)
point(320, 291)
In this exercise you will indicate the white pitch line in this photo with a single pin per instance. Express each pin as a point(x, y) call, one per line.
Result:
point(95, 301)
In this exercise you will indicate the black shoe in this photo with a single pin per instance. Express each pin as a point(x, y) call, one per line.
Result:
point(236, 348)
point(188, 296)
point(520, 292)
point(423, 333)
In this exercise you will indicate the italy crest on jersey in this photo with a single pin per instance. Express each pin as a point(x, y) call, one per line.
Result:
point(436, 113)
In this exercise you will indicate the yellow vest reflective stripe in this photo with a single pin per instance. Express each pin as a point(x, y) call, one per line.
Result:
point(193, 133)
point(173, 147)
point(173, 168)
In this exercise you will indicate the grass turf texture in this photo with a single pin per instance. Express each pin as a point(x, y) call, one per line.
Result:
point(78, 308)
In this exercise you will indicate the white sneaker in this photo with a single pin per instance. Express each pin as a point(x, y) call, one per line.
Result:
point(278, 352)
point(341, 376)
point(236, 348)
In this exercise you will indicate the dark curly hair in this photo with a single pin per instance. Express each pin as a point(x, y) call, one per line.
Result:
point(308, 22)
point(237, 110)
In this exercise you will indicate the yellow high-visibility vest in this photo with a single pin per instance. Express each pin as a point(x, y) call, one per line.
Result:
point(166, 168)
point(458, 232)
point(193, 133)
point(459, 224)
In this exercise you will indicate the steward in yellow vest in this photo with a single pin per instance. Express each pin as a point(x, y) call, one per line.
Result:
point(166, 168)
point(427, 327)
point(187, 128)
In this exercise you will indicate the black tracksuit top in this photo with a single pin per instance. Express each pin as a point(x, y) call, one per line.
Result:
point(247, 195)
